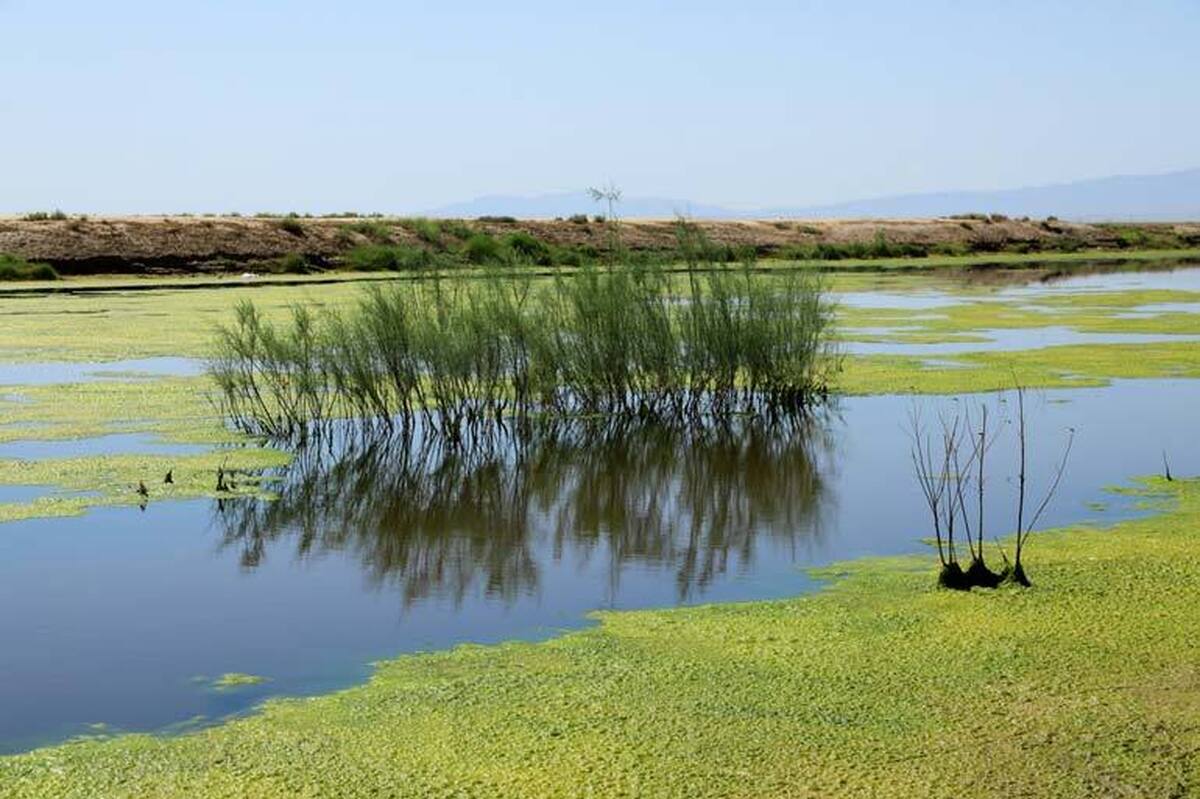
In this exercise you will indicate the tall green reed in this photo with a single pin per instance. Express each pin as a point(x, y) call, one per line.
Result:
point(632, 342)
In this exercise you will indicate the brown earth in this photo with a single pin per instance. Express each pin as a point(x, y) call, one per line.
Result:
point(185, 244)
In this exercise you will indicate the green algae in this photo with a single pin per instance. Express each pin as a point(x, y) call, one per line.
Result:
point(177, 409)
point(113, 480)
point(233, 680)
point(1084, 685)
point(176, 316)
point(1070, 366)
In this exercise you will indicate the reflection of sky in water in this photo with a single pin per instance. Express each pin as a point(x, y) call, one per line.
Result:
point(1156, 308)
point(120, 608)
point(34, 374)
point(22, 493)
point(916, 301)
point(116, 443)
point(1009, 340)
point(1186, 279)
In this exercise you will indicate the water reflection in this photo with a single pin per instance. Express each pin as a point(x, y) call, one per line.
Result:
point(432, 521)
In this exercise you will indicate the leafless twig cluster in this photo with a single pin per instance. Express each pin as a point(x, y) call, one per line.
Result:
point(950, 465)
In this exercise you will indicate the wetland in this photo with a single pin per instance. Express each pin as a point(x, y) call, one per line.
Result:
point(266, 570)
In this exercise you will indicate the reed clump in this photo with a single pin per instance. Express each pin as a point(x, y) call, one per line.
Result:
point(454, 354)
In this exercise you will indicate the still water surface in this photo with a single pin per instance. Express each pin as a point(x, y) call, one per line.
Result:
point(120, 617)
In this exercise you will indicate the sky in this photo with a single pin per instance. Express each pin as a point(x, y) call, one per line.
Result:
point(220, 106)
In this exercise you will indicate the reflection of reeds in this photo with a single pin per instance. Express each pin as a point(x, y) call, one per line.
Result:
point(455, 354)
point(435, 519)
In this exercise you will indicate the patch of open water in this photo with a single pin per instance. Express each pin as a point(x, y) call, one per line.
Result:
point(1157, 308)
point(1185, 279)
point(50, 372)
point(111, 617)
point(112, 444)
point(23, 493)
point(1010, 340)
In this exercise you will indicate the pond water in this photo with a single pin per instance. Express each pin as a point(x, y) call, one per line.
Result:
point(49, 372)
point(1028, 286)
point(23, 493)
point(1008, 340)
point(1184, 279)
point(112, 444)
point(124, 617)
point(1157, 308)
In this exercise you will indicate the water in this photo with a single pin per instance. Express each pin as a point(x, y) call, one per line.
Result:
point(912, 301)
point(1027, 287)
point(112, 618)
point(1157, 308)
point(112, 444)
point(1010, 340)
point(23, 493)
point(1185, 279)
point(49, 372)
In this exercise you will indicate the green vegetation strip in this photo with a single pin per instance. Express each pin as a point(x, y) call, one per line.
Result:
point(880, 685)
point(1074, 366)
point(172, 409)
point(178, 410)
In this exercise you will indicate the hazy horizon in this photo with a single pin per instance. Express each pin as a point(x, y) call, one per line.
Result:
point(139, 107)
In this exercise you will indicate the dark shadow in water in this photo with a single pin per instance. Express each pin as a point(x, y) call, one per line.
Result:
point(436, 521)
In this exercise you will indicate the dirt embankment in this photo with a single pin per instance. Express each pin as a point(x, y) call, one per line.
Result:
point(182, 244)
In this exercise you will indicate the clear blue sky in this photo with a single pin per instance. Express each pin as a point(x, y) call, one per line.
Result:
point(127, 106)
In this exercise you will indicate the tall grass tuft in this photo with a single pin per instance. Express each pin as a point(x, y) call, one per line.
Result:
point(455, 355)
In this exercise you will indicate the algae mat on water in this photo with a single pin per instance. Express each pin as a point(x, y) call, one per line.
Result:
point(1085, 685)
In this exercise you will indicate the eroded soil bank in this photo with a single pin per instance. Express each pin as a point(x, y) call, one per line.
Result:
point(222, 244)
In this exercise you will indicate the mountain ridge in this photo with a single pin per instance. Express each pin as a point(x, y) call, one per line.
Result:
point(1164, 196)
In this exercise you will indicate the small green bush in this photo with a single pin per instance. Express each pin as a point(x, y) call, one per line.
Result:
point(1131, 237)
point(372, 258)
point(569, 256)
point(291, 224)
point(457, 228)
point(389, 258)
point(56, 215)
point(529, 248)
point(482, 249)
point(378, 232)
point(292, 264)
point(502, 220)
point(13, 267)
point(427, 230)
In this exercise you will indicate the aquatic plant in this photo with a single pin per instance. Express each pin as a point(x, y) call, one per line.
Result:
point(458, 353)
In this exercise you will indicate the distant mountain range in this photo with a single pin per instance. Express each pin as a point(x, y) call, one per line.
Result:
point(1171, 196)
